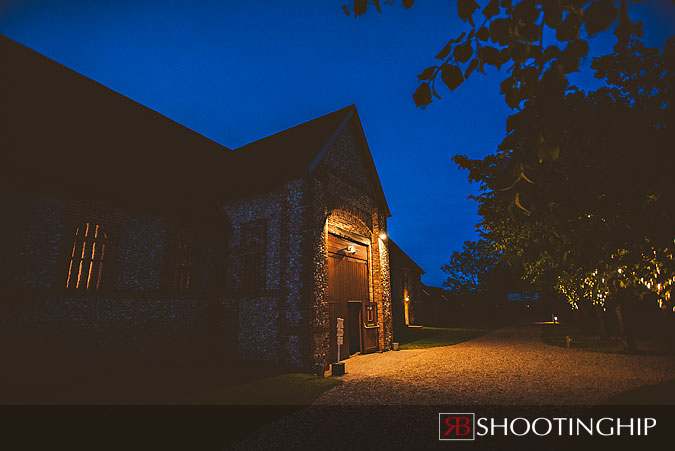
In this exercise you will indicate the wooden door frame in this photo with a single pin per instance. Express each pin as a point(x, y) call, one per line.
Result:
point(367, 243)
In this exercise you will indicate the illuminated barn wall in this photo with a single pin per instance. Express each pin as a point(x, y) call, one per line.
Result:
point(286, 321)
point(344, 203)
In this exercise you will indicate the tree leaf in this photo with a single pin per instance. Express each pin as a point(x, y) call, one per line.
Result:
point(422, 96)
point(599, 16)
point(519, 52)
point(489, 55)
point(472, 66)
point(463, 52)
point(446, 50)
point(491, 9)
point(571, 56)
point(526, 12)
point(452, 76)
point(552, 14)
point(427, 73)
point(552, 51)
point(465, 10)
point(408, 3)
point(483, 34)
point(360, 7)
point(569, 28)
point(501, 31)
point(529, 32)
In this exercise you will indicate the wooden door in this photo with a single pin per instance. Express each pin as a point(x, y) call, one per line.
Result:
point(371, 328)
point(347, 295)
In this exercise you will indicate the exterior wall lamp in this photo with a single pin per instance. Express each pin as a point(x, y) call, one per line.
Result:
point(350, 250)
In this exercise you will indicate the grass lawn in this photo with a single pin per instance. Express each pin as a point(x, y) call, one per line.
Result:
point(283, 389)
point(431, 337)
point(554, 335)
point(216, 404)
point(235, 384)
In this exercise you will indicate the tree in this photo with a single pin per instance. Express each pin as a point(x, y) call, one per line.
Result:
point(597, 220)
point(472, 271)
point(511, 33)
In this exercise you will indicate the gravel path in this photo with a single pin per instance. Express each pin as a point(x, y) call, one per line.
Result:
point(391, 400)
point(506, 367)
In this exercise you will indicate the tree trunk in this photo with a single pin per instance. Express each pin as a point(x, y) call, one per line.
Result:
point(625, 331)
point(602, 322)
point(589, 318)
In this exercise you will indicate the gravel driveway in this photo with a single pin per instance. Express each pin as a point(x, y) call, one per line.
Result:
point(391, 400)
point(506, 367)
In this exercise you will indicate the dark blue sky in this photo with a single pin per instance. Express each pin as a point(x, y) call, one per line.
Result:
point(237, 71)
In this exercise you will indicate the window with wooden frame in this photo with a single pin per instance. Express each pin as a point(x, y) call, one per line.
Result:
point(179, 261)
point(253, 255)
point(182, 273)
point(85, 269)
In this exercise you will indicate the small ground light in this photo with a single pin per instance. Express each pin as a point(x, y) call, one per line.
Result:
point(555, 319)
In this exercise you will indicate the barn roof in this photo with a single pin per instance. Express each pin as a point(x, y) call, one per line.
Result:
point(61, 126)
point(399, 259)
point(297, 151)
point(436, 294)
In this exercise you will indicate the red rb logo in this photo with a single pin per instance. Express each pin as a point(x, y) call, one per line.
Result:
point(456, 426)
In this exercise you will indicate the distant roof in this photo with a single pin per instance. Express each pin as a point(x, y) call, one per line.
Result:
point(61, 125)
point(435, 294)
point(399, 259)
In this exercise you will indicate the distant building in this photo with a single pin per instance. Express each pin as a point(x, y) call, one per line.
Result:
point(437, 306)
point(129, 238)
point(406, 285)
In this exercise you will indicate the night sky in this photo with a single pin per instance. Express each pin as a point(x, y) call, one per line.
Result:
point(236, 71)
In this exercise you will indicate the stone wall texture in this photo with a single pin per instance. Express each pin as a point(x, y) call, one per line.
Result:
point(132, 320)
point(344, 203)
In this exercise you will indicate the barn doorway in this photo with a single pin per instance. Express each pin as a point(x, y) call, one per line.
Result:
point(348, 297)
point(353, 326)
